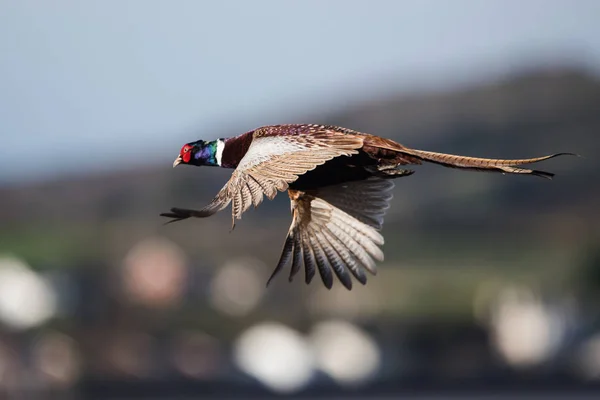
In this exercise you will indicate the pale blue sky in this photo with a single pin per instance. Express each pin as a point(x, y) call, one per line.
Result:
point(88, 85)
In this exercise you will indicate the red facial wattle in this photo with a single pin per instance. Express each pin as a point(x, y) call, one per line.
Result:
point(186, 153)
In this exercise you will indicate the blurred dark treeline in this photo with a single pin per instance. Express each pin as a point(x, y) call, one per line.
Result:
point(488, 280)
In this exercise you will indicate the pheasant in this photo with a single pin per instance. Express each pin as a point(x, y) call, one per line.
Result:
point(339, 182)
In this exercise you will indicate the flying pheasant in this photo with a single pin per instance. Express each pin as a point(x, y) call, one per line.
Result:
point(339, 182)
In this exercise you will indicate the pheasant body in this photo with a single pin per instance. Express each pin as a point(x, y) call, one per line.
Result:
point(339, 182)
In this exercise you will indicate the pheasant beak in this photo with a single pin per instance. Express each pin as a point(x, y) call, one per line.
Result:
point(177, 161)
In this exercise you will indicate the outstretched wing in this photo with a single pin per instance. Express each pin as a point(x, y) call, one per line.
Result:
point(219, 202)
point(275, 158)
point(336, 228)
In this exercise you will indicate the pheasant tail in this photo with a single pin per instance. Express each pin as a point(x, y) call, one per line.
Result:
point(484, 164)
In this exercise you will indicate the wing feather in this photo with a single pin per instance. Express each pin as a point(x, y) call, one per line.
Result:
point(246, 196)
point(322, 261)
point(310, 263)
point(297, 259)
point(334, 260)
point(355, 247)
point(350, 262)
point(286, 254)
point(343, 241)
point(256, 191)
point(219, 202)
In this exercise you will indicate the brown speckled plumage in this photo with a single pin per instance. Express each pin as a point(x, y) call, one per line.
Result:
point(339, 182)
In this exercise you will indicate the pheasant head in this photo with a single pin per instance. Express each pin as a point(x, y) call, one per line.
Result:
point(200, 153)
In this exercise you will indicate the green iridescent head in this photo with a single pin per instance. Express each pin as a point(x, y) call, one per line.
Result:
point(200, 153)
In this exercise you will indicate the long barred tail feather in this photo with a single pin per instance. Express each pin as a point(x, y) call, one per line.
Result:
point(484, 164)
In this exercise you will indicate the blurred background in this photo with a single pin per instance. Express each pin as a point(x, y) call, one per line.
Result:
point(491, 283)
